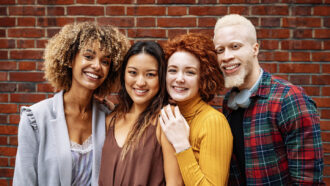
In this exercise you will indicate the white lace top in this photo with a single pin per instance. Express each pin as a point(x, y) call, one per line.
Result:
point(82, 161)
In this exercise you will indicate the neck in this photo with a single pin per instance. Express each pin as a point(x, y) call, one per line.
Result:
point(79, 101)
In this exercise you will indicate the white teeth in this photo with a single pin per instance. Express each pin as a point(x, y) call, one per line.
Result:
point(140, 91)
point(92, 75)
point(179, 88)
point(231, 67)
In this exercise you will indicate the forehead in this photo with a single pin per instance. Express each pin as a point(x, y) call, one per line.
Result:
point(142, 61)
point(183, 59)
point(94, 46)
point(229, 34)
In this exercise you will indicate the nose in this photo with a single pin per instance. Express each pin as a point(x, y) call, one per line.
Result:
point(140, 81)
point(96, 64)
point(180, 77)
point(226, 56)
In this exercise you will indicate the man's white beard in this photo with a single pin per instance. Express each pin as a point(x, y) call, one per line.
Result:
point(235, 80)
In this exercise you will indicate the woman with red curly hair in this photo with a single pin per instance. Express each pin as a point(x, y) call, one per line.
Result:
point(199, 133)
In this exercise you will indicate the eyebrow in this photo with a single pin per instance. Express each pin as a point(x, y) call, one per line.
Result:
point(93, 52)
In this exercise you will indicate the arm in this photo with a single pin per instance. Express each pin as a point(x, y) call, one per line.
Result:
point(26, 172)
point(171, 167)
point(300, 124)
point(214, 155)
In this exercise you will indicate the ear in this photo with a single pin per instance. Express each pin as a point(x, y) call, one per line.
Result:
point(255, 47)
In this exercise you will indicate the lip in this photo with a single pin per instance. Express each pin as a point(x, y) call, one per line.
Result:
point(140, 92)
point(230, 68)
point(179, 89)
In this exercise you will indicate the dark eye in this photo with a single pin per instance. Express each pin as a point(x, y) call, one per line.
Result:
point(171, 70)
point(132, 72)
point(219, 50)
point(88, 57)
point(106, 62)
point(236, 46)
point(151, 75)
point(190, 72)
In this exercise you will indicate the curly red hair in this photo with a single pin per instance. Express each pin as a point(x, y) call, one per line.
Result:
point(211, 78)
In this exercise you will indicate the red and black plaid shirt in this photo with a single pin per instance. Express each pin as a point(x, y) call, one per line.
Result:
point(282, 139)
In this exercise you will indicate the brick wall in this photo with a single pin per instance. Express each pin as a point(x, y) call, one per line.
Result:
point(294, 37)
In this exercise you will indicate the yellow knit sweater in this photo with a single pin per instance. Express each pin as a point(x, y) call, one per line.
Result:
point(207, 161)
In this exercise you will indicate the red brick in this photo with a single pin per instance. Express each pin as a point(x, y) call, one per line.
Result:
point(322, 102)
point(207, 21)
point(27, 98)
point(26, 32)
point(326, 68)
point(269, 44)
point(8, 108)
point(27, 10)
point(146, 10)
point(301, 10)
point(26, 54)
point(8, 65)
point(299, 68)
point(13, 140)
point(27, 65)
point(45, 87)
point(25, 1)
point(301, 22)
point(321, 56)
point(174, 32)
point(326, 147)
point(207, 10)
point(321, 79)
point(300, 79)
point(7, 21)
point(208, 32)
point(273, 56)
point(176, 10)
point(321, 11)
point(83, 19)
point(56, 2)
point(116, 21)
point(7, 172)
point(325, 91)
point(26, 87)
point(4, 181)
point(4, 98)
point(241, 10)
point(300, 56)
point(146, 22)
point(51, 21)
point(4, 162)
point(3, 76)
point(176, 2)
point(51, 32)
point(3, 139)
point(326, 22)
point(27, 76)
point(41, 43)
point(271, 21)
point(40, 66)
point(7, 43)
point(325, 114)
point(269, 67)
point(176, 22)
point(86, 10)
point(14, 119)
point(3, 10)
point(55, 11)
point(308, 1)
point(7, 2)
point(273, 33)
point(8, 130)
point(322, 33)
point(25, 43)
point(302, 33)
point(115, 1)
point(7, 87)
point(269, 10)
point(145, 1)
point(146, 33)
point(301, 45)
point(325, 125)
point(207, 1)
point(312, 91)
point(26, 21)
point(115, 10)
point(237, 1)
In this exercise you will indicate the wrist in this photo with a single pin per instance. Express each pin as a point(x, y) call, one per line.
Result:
point(181, 147)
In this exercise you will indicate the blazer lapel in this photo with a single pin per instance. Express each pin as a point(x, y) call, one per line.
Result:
point(98, 131)
point(62, 140)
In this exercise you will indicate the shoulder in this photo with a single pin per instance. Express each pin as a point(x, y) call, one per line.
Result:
point(210, 116)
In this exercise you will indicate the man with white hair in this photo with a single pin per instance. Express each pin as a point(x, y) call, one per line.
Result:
point(276, 126)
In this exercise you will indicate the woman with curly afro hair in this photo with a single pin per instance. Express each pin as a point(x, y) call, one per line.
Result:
point(199, 133)
point(60, 139)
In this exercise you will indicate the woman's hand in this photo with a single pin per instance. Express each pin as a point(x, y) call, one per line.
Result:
point(175, 128)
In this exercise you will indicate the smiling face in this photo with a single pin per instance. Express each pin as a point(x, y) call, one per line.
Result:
point(237, 56)
point(182, 77)
point(90, 67)
point(141, 78)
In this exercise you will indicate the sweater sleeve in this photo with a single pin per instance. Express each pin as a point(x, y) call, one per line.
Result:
point(214, 154)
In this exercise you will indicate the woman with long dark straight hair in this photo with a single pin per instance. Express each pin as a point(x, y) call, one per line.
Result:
point(135, 151)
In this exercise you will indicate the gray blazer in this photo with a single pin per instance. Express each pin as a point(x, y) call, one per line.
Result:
point(44, 156)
